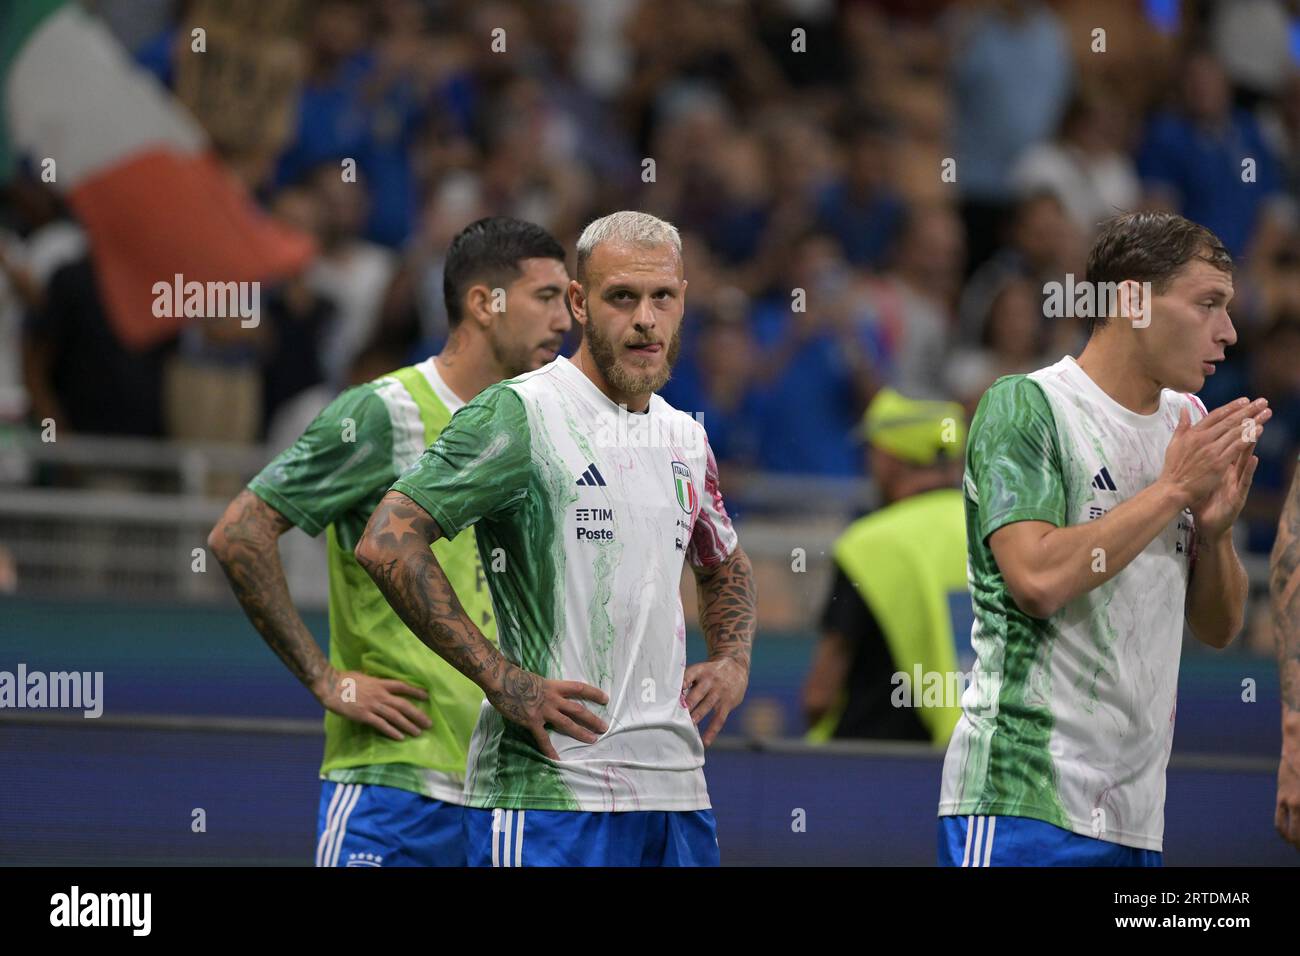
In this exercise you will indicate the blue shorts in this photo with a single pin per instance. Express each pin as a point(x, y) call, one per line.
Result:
point(578, 838)
point(363, 824)
point(1021, 841)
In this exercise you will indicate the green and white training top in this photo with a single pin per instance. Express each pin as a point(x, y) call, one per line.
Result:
point(332, 478)
point(585, 516)
point(1070, 719)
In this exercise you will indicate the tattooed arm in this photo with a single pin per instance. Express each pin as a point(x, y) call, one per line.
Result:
point(728, 617)
point(246, 541)
point(395, 551)
point(1284, 589)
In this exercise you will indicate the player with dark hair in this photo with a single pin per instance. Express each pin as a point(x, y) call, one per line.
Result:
point(398, 718)
point(1100, 499)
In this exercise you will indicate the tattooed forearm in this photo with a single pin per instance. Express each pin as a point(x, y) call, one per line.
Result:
point(246, 542)
point(1284, 592)
point(728, 608)
point(395, 552)
point(521, 693)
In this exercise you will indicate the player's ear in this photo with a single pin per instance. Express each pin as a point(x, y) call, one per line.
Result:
point(577, 302)
point(481, 304)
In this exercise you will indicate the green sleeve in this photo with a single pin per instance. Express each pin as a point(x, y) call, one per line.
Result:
point(1013, 458)
point(343, 457)
point(479, 467)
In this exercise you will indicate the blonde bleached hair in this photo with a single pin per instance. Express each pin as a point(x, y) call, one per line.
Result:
point(625, 226)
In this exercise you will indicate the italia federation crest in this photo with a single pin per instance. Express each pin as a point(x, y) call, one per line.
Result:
point(685, 487)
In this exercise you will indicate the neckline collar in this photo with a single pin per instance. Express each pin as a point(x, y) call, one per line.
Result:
point(594, 392)
point(1097, 393)
point(439, 385)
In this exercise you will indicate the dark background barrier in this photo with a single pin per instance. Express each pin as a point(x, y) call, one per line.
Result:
point(77, 792)
point(219, 726)
point(194, 659)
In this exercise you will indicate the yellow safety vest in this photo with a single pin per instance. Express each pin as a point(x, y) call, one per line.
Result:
point(905, 560)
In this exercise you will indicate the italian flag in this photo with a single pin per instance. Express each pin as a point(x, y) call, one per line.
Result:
point(132, 163)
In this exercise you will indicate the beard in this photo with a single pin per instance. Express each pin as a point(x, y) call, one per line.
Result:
point(516, 356)
point(509, 355)
point(629, 382)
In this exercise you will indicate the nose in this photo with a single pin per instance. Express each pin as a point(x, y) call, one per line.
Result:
point(645, 318)
point(1227, 332)
point(561, 318)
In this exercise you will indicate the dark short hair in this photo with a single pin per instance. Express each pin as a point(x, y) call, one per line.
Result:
point(490, 250)
point(1150, 247)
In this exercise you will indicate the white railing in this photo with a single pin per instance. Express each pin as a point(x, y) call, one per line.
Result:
point(124, 517)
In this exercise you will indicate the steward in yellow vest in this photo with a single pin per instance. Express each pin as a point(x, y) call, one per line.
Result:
point(887, 666)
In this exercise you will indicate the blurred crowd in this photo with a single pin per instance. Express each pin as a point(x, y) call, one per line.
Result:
point(869, 193)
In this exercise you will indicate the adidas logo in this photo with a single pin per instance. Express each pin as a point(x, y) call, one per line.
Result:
point(1103, 480)
point(592, 477)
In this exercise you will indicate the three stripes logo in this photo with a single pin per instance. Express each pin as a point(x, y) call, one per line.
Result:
point(342, 803)
point(1103, 480)
point(592, 477)
point(507, 837)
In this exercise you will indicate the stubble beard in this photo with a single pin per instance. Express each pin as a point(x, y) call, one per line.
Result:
point(616, 374)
